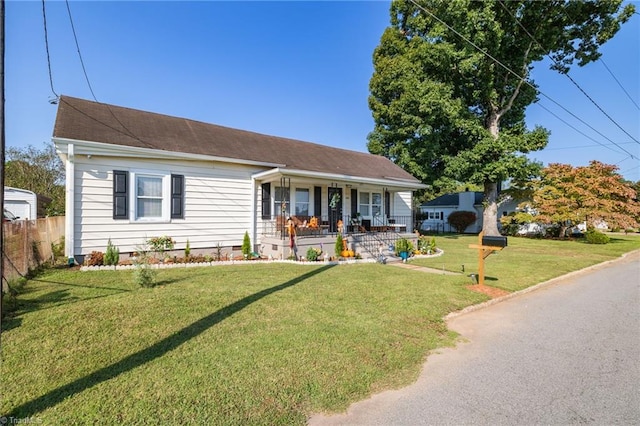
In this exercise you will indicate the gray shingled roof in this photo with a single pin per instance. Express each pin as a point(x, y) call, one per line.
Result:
point(84, 120)
point(451, 200)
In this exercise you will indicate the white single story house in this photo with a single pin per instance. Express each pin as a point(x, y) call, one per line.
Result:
point(437, 211)
point(132, 175)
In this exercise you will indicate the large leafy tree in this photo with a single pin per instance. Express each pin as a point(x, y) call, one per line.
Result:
point(452, 82)
point(567, 195)
point(37, 170)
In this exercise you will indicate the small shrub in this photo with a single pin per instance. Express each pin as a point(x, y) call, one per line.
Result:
point(313, 254)
point(403, 245)
point(161, 244)
point(246, 245)
point(461, 220)
point(218, 254)
point(143, 274)
point(594, 236)
point(57, 250)
point(95, 258)
point(112, 254)
point(426, 245)
point(187, 250)
point(339, 245)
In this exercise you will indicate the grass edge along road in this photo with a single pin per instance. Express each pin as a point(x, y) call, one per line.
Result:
point(259, 344)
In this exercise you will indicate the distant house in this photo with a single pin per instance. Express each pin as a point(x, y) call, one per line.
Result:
point(24, 204)
point(437, 211)
point(132, 175)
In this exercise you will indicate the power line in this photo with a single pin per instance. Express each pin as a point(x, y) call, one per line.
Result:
point(566, 74)
point(46, 44)
point(509, 70)
point(75, 37)
point(629, 170)
point(127, 132)
point(583, 146)
point(619, 84)
point(580, 131)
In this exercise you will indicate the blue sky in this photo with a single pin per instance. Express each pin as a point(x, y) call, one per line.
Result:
point(293, 69)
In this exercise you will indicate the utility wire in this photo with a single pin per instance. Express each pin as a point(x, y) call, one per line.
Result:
point(629, 170)
point(566, 74)
point(75, 37)
point(579, 131)
point(127, 132)
point(583, 146)
point(619, 84)
point(46, 45)
point(509, 70)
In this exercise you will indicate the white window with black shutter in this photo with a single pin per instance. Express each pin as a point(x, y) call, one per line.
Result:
point(148, 196)
point(266, 201)
point(120, 194)
point(177, 197)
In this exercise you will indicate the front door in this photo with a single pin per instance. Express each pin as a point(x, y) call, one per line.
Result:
point(335, 207)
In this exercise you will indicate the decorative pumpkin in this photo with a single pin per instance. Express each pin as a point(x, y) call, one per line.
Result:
point(347, 253)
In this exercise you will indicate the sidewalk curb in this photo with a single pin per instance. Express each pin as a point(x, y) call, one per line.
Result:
point(538, 286)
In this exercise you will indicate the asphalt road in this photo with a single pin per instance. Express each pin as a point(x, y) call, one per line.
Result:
point(566, 353)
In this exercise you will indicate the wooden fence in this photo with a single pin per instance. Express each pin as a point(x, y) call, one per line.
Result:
point(29, 243)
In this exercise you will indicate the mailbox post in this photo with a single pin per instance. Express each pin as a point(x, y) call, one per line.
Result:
point(486, 246)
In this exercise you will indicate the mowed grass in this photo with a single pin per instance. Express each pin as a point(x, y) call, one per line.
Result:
point(246, 344)
point(250, 344)
point(527, 261)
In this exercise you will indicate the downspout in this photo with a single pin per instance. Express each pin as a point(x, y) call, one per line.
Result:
point(254, 217)
point(69, 207)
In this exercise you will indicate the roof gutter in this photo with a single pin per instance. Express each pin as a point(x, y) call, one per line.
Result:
point(112, 150)
point(395, 182)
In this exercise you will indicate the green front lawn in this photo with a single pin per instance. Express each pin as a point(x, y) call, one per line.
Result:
point(526, 261)
point(245, 344)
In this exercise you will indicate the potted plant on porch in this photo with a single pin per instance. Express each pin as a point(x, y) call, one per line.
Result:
point(403, 248)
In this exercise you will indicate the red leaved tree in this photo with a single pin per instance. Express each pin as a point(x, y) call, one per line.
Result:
point(596, 193)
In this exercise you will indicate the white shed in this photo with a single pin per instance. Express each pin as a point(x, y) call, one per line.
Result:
point(22, 203)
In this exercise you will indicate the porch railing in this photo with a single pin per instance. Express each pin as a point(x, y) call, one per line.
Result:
point(310, 226)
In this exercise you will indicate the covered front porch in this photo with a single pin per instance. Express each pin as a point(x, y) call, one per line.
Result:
point(369, 213)
point(366, 245)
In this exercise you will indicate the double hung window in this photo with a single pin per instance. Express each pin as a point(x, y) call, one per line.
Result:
point(147, 196)
point(370, 203)
point(302, 202)
point(281, 201)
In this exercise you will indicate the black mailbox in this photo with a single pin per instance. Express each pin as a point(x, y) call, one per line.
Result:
point(498, 241)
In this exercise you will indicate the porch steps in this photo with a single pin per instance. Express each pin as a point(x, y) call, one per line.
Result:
point(372, 243)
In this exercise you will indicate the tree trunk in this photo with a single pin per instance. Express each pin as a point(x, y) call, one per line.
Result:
point(490, 213)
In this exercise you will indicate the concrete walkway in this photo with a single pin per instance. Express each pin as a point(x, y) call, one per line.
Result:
point(411, 266)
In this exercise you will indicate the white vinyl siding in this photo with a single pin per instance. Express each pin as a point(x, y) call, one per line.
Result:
point(217, 205)
point(402, 207)
point(402, 204)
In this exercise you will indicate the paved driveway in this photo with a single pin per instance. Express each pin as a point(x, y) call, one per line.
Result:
point(567, 353)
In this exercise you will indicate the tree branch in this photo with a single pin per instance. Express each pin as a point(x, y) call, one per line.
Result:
point(525, 72)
